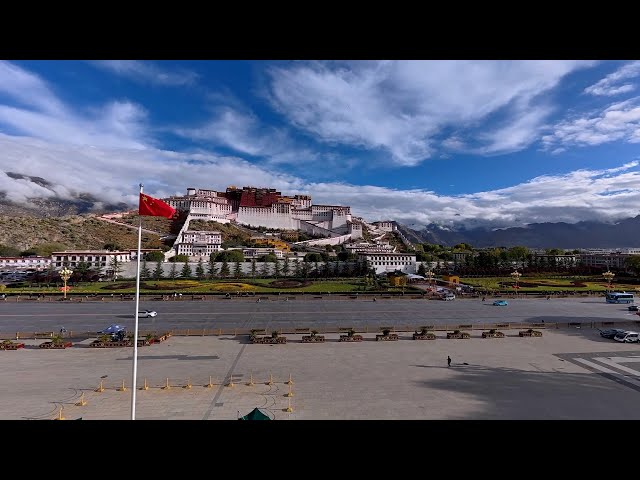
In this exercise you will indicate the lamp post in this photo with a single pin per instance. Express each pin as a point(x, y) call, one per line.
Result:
point(608, 275)
point(430, 274)
point(65, 274)
point(516, 276)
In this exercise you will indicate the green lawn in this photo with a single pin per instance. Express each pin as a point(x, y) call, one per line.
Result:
point(546, 284)
point(208, 286)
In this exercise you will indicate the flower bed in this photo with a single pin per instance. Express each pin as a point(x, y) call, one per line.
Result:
point(457, 334)
point(424, 336)
point(55, 345)
point(529, 333)
point(492, 334)
point(9, 345)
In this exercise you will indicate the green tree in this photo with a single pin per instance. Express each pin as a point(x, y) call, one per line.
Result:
point(276, 268)
point(422, 271)
point(158, 272)
point(116, 266)
point(6, 251)
point(253, 268)
point(264, 270)
point(224, 269)
point(181, 258)
point(237, 270)
point(313, 257)
point(633, 263)
point(212, 270)
point(154, 256)
point(46, 249)
point(173, 271)
point(230, 256)
point(286, 268)
point(113, 247)
point(305, 269)
point(518, 253)
point(81, 271)
point(270, 258)
point(200, 269)
point(296, 269)
point(28, 253)
point(316, 268)
point(144, 270)
point(186, 270)
point(553, 251)
point(337, 269)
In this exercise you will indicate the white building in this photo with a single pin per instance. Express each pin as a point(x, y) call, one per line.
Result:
point(604, 260)
point(198, 243)
point(389, 262)
point(257, 252)
point(385, 226)
point(266, 207)
point(366, 247)
point(24, 263)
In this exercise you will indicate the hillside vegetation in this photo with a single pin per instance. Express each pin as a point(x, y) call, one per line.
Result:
point(82, 232)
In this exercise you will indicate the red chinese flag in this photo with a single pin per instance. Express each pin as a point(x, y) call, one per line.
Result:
point(155, 208)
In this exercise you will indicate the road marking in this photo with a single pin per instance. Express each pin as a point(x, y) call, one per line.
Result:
point(612, 362)
point(600, 368)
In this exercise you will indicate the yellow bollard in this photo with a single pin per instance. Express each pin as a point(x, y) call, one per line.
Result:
point(60, 417)
point(250, 384)
point(145, 386)
point(166, 387)
point(209, 385)
point(122, 388)
point(289, 409)
point(270, 382)
point(231, 384)
point(188, 385)
point(81, 403)
point(100, 388)
point(290, 382)
point(290, 394)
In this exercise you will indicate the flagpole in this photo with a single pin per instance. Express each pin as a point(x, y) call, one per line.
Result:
point(134, 386)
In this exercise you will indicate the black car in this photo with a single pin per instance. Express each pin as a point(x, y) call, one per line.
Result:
point(611, 332)
point(633, 308)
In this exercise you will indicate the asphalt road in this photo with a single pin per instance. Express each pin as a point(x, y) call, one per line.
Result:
point(275, 314)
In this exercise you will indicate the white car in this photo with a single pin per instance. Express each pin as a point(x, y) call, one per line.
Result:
point(147, 314)
point(628, 337)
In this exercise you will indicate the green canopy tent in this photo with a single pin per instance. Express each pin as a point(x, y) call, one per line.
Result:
point(255, 414)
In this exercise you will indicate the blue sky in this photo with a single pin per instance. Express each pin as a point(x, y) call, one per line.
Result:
point(496, 143)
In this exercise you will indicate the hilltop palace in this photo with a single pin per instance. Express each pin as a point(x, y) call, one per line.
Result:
point(266, 207)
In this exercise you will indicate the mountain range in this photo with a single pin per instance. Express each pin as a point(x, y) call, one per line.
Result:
point(622, 233)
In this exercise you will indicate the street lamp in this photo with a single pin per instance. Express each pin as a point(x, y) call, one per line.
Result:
point(65, 274)
point(516, 276)
point(430, 274)
point(608, 275)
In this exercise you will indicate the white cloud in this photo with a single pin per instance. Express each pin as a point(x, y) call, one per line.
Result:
point(36, 111)
point(401, 107)
point(620, 121)
point(112, 175)
point(147, 72)
point(610, 85)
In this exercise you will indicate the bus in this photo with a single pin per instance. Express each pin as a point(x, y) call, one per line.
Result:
point(617, 297)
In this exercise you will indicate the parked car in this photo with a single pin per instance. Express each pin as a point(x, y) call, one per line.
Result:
point(628, 337)
point(611, 332)
point(633, 308)
point(501, 303)
point(147, 314)
point(113, 328)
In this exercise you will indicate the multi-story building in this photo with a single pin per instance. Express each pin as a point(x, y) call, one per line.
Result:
point(366, 247)
point(389, 262)
point(198, 243)
point(604, 260)
point(256, 252)
point(559, 260)
point(267, 207)
point(386, 226)
point(25, 263)
point(101, 260)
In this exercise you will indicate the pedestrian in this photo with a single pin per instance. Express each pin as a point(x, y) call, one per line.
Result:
point(448, 361)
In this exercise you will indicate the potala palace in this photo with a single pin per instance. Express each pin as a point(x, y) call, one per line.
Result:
point(266, 207)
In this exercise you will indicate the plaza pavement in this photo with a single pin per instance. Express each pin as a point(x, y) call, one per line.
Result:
point(509, 378)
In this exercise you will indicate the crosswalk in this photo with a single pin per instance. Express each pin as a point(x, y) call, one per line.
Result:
point(616, 367)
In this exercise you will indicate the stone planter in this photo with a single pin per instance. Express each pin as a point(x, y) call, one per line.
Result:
point(11, 345)
point(389, 337)
point(458, 335)
point(352, 338)
point(424, 336)
point(55, 346)
point(492, 334)
point(100, 344)
point(529, 333)
point(312, 338)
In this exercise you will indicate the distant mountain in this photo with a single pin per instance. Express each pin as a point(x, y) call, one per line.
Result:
point(623, 233)
point(54, 206)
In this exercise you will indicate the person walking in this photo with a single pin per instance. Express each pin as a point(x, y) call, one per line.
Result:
point(448, 361)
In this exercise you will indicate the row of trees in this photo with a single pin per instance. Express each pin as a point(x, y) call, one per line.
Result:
point(277, 269)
